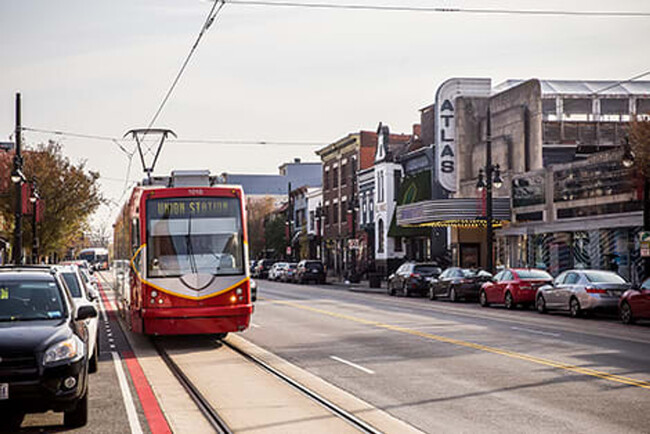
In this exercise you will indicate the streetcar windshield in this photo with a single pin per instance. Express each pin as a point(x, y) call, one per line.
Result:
point(194, 236)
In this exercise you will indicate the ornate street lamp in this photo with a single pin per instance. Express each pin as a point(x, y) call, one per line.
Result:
point(488, 177)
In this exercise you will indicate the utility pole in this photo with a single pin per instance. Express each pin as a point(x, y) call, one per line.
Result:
point(488, 192)
point(492, 177)
point(17, 178)
point(34, 198)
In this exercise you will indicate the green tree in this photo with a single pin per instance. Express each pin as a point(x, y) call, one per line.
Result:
point(70, 193)
point(274, 233)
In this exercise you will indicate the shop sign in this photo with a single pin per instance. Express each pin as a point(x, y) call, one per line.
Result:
point(445, 138)
point(644, 241)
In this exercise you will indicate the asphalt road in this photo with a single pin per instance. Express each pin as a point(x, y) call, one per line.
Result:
point(451, 367)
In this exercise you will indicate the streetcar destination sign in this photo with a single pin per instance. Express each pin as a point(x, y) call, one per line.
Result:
point(191, 207)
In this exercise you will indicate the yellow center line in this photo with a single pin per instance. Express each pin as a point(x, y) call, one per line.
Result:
point(493, 350)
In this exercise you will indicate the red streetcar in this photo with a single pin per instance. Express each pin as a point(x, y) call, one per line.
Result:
point(186, 241)
point(514, 286)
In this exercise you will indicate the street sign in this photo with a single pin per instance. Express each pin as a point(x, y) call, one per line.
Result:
point(644, 243)
point(288, 250)
point(7, 146)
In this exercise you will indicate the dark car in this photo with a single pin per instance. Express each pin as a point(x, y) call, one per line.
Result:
point(635, 304)
point(310, 271)
point(263, 267)
point(458, 283)
point(412, 279)
point(43, 348)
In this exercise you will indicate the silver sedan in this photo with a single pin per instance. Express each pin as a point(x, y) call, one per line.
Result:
point(581, 291)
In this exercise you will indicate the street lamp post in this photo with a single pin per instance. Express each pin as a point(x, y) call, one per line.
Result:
point(492, 178)
point(319, 226)
point(18, 178)
point(34, 198)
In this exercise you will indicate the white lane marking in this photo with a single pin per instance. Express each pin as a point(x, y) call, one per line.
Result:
point(354, 365)
point(536, 332)
point(131, 414)
point(255, 326)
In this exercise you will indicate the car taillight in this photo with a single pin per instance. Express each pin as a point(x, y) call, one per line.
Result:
point(596, 291)
point(415, 276)
point(466, 281)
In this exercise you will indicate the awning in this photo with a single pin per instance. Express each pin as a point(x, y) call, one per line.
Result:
point(452, 213)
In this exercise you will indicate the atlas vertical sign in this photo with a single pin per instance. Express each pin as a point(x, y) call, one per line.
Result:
point(445, 124)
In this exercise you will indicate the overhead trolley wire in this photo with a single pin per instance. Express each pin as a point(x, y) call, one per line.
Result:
point(212, 16)
point(429, 9)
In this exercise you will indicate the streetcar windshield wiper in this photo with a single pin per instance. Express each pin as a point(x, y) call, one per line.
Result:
point(190, 248)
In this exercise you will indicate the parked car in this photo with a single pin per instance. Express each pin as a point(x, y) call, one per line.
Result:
point(253, 290)
point(458, 283)
point(251, 265)
point(43, 347)
point(84, 294)
point(288, 273)
point(582, 291)
point(309, 270)
point(263, 268)
point(276, 270)
point(635, 304)
point(412, 278)
point(514, 286)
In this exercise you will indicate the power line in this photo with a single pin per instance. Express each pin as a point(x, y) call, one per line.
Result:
point(349, 6)
point(618, 83)
point(81, 136)
point(235, 142)
point(212, 15)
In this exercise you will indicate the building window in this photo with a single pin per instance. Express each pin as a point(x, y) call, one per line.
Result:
point(380, 236)
point(335, 213)
point(577, 106)
point(380, 187)
point(549, 106)
point(397, 181)
point(398, 244)
point(326, 215)
point(335, 177)
point(312, 221)
point(344, 174)
point(371, 207)
point(326, 179)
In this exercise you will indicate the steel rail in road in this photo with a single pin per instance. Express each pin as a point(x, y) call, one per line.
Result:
point(335, 409)
point(201, 402)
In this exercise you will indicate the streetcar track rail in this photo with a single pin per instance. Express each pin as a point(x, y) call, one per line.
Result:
point(197, 397)
point(335, 409)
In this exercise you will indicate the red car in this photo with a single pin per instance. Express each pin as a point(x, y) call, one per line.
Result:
point(635, 304)
point(513, 286)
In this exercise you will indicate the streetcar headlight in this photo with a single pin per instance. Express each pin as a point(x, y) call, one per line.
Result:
point(239, 291)
point(154, 294)
point(233, 298)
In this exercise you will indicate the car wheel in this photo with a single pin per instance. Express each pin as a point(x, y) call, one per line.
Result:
point(482, 299)
point(574, 308)
point(625, 313)
point(79, 416)
point(509, 302)
point(432, 294)
point(452, 295)
point(93, 364)
point(391, 290)
point(541, 304)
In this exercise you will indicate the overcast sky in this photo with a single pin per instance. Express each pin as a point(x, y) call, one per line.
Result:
point(277, 74)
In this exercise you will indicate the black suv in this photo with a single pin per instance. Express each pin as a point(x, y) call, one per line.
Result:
point(43, 347)
point(310, 271)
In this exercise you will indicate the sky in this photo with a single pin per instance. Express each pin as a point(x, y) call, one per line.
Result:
point(275, 74)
